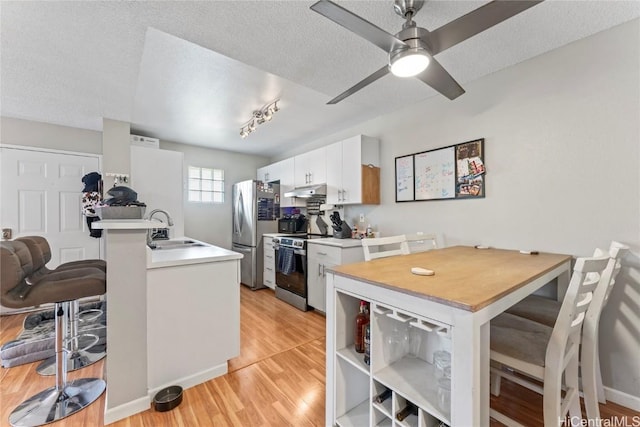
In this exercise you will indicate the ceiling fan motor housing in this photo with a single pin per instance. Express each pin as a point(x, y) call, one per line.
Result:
point(404, 7)
point(413, 37)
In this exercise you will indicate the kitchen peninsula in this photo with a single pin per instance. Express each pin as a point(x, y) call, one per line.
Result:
point(173, 315)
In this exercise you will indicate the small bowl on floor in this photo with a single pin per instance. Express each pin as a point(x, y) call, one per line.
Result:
point(167, 398)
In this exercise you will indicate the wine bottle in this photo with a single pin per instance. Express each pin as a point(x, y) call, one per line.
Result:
point(408, 410)
point(383, 396)
point(367, 344)
point(362, 319)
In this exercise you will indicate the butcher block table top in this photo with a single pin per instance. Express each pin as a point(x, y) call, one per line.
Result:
point(465, 277)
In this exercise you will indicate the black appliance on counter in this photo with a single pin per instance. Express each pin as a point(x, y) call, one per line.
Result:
point(291, 270)
point(292, 224)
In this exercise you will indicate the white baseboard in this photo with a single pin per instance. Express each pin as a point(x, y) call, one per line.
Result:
point(126, 410)
point(193, 380)
point(622, 398)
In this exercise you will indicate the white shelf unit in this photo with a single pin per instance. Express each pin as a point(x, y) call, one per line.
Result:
point(411, 377)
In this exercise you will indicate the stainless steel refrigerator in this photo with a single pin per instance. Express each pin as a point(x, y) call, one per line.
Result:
point(255, 212)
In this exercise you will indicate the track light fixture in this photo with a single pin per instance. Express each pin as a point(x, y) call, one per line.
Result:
point(258, 117)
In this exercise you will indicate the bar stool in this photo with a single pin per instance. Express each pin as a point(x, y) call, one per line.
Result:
point(78, 346)
point(65, 398)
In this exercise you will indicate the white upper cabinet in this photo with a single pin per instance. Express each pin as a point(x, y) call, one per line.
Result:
point(311, 168)
point(353, 173)
point(281, 171)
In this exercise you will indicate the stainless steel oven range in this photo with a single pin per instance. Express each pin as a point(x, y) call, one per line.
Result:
point(291, 270)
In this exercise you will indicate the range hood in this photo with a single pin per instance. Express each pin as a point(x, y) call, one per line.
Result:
point(306, 192)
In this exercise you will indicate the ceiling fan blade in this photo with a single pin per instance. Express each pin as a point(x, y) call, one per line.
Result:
point(476, 22)
point(439, 79)
point(358, 25)
point(367, 81)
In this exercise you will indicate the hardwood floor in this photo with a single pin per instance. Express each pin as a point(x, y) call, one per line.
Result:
point(278, 379)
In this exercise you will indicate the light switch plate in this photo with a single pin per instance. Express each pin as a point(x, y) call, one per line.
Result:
point(361, 217)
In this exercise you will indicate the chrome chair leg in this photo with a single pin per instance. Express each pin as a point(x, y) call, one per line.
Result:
point(63, 399)
point(79, 347)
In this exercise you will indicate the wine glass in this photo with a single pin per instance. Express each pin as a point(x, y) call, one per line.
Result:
point(415, 339)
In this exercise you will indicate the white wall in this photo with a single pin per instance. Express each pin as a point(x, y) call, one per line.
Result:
point(44, 135)
point(562, 138)
point(116, 153)
point(212, 222)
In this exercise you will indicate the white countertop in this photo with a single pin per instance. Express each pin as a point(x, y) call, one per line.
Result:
point(284, 234)
point(332, 241)
point(127, 224)
point(190, 255)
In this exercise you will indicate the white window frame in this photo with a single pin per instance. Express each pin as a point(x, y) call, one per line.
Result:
point(207, 184)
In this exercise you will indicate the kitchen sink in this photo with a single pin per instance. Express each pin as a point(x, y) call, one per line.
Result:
point(174, 244)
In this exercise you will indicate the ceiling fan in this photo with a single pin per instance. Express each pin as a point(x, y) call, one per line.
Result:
point(412, 50)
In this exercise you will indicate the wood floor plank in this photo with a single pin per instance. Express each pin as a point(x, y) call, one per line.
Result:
point(278, 379)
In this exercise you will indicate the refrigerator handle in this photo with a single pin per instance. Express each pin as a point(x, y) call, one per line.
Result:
point(239, 213)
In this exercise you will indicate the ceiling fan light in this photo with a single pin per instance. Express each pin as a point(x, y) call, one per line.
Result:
point(409, 62)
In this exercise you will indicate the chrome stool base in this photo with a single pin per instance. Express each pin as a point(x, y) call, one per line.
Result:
point(76, 360)
point(54, 404)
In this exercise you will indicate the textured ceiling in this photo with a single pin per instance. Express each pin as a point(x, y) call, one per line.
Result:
point(193, 72)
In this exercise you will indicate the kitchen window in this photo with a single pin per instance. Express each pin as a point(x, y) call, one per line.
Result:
point(206, 185)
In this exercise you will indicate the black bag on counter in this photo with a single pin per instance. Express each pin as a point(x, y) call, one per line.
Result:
point(122, 196)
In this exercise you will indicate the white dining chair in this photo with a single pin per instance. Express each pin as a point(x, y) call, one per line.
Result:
point(399, 244)
point(421, 242)
point(547, 354)
point(592, 387)
point(544, 310)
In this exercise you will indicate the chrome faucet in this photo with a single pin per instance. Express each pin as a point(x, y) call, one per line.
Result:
point(155, 211)
point(153, 232)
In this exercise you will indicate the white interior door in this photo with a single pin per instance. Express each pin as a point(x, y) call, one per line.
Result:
point(41, 194)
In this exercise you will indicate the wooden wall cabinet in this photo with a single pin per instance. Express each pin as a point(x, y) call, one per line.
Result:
point(353, 172)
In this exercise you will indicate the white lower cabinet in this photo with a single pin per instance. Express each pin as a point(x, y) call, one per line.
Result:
point(402, 355)
point(269, 266)
point(320, 258)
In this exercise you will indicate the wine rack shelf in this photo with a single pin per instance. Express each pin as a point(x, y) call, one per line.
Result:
point(353, 357)
point(357, 417)
point(407, 371)
point(415, 380)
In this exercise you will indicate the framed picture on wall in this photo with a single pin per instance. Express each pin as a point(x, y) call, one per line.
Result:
point(470, 169)
point(405, 179)
point(446, 173)
point(435, 171)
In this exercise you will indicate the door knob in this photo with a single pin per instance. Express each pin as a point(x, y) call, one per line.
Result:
point(6, 234)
